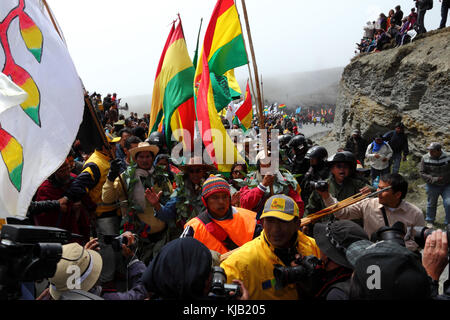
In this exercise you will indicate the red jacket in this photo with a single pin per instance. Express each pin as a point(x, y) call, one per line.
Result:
point(251, 199)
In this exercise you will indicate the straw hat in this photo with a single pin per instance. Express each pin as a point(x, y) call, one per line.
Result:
point(198, 163)
point(89, 263)
point(144, 146)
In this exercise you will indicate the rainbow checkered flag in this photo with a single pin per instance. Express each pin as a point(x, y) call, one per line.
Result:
point(41, 102)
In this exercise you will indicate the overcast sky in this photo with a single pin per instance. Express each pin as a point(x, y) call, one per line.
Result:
point(116, 45)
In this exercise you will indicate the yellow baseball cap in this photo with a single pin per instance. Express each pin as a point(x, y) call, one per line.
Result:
point(281, 207)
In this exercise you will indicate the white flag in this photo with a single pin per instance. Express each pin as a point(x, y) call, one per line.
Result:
point(36, 134)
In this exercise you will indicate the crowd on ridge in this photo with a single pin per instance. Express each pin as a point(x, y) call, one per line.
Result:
point(395, 29)
point(183, 221)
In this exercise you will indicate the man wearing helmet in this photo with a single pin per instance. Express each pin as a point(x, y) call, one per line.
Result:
point(318, 169)
point(342, 183)
point(157, 138)
point(297, 148)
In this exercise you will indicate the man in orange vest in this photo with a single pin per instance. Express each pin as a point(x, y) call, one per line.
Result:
point(222, 227)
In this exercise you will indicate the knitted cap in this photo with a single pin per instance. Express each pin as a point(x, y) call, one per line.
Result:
point(213, 185)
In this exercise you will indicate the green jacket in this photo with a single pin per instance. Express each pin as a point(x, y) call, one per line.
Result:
point(350, 187)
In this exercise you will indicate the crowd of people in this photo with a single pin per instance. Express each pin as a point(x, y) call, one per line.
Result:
point(155, 229)
point(395, 29)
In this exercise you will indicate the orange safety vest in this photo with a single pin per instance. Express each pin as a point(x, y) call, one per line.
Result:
point(240, 229)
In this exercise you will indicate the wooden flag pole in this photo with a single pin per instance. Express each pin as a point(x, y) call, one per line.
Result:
point(249, 71)
point(255, 69)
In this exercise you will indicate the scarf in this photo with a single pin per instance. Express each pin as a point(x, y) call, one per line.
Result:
point(376, 147)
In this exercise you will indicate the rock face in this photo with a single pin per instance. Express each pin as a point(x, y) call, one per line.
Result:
point(410, 83)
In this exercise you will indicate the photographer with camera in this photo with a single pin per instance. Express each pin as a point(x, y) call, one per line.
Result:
point(342, 183)
point(388, 208)
point(256, 261)
point(77, 275)
point(183, 270)
point(387, 270)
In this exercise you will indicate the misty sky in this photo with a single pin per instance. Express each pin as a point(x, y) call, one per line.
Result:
point(116, 44)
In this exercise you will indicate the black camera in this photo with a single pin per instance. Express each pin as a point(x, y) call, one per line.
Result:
point(396, 233)
point(420, 234)
point(28, 253)
point(115, 241)
point(306, 268)
point(320, 185)
point(222, 290)
point(399, 233)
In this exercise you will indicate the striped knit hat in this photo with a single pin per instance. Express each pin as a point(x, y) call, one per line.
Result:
point(213, 185)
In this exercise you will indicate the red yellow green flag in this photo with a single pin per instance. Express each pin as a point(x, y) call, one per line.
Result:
point(245, 111)
point(226, 48)
point(223, 50)
point(173, 95)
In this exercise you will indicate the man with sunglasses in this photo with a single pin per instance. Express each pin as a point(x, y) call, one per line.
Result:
point(384, 210)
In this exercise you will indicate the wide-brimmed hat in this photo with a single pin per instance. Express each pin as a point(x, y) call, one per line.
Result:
point(144, 146)
point(87, 262)
point(281, 207)
point(333, 238)
point(196, 162)
point(399, 273)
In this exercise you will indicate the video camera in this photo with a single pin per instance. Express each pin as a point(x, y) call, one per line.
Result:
point(306, 268)
point(115, 241)
point(320, 185)
point(28, 253)
point(222, 290)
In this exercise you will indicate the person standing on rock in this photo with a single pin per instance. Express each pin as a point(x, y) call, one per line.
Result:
point(434, 168)
point(422, 7)
point(357, 145)
point(398, 141)
point(378, 154)
point(444, 12)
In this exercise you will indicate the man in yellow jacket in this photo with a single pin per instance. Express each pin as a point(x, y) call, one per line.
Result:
point(279, 243)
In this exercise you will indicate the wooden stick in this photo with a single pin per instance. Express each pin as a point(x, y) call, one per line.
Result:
point(255, 69)
point(52, 19)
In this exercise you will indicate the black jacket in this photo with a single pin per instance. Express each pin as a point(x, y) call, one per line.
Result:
point(397, 141)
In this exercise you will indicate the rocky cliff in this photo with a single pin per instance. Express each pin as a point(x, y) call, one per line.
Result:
point(410, 83)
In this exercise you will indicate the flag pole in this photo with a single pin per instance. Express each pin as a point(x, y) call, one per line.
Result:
point(262, 90)
point(249, 70)
point(255, 69)
point(52, 19)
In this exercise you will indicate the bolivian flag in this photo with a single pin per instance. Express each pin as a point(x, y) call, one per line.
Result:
point(245, 111)
point(226, 48)
point(223, 50)
point(173, 95)
point(281, 106)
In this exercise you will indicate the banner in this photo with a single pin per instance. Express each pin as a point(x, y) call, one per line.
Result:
point(36, 132)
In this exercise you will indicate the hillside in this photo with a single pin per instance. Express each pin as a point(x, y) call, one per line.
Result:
point(409, 84)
